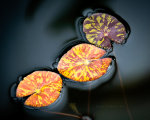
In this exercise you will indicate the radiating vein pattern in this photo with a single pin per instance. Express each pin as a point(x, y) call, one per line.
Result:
point(43, 87)
point(100, 28)
point(83, 63)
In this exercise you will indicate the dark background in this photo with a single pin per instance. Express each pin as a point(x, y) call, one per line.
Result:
point(32, 33)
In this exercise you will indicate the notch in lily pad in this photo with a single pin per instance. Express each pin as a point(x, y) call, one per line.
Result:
point(41, 87)
point(102, 28)
point(83, 63)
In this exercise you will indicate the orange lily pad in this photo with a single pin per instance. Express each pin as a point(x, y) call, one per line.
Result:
point(83, 63)
point(42, 87)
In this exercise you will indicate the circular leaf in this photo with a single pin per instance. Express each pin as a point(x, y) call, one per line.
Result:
point(42, 87)
point(84, 63)
point(100, 28)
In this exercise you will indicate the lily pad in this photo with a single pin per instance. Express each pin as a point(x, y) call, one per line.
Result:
point(42, 88)
point(83, 63)
point(102, 28)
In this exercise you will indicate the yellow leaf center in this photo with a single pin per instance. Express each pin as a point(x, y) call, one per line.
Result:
point(37, 91)
point(105, 34)
point(86, 62)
